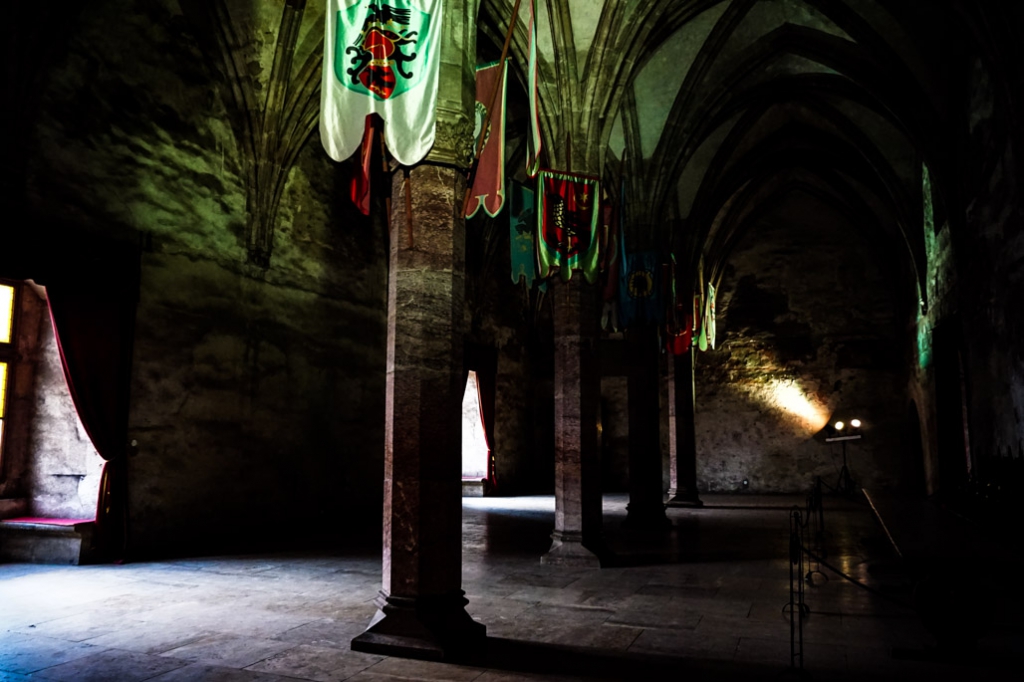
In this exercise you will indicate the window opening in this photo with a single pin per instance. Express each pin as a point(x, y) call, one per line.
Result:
point(6, 313)
point(6, 350)
point(3, 404)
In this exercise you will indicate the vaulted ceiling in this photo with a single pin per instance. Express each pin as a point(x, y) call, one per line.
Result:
point(716, 112)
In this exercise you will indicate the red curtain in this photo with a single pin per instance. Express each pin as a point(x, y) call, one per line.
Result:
point(92, 306)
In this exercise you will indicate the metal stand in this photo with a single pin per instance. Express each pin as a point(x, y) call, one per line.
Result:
point(845, 484)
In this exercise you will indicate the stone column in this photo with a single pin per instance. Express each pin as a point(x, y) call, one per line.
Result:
point(646, 507)
point(421, 606)
point(682, 437)
point(576, 540)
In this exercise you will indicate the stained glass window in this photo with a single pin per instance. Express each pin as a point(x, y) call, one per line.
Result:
point(6, 312)
point(6, 328)
point(3, 401)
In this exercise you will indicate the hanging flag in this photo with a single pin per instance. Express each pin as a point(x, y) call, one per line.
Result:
point(359, 189)
point(609, 250)
point(522, 224)
point(533, 140)
point(610, 263)
point(679, 321)
point(679, 342)
point(568, 224)
point(700, 338)
point(380, 58)
point(489, 180)
point(640, 290)
point(710, 319)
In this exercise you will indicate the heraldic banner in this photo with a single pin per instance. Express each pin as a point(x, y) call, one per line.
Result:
point(640, 290)
point(489, 181)
point(522, 219)
point(569, 210)
point(533, 139)
point(383, 57)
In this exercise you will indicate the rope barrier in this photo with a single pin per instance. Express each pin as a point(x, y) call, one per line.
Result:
point(807, 538)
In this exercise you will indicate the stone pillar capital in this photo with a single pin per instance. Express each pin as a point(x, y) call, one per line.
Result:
point(456, 96)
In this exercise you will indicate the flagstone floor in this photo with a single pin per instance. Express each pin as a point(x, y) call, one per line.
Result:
point(704, 601)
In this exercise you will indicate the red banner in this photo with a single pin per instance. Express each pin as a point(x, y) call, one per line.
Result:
point(489, 181)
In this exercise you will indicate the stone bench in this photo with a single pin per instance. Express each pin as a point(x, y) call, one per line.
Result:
point(41, 540)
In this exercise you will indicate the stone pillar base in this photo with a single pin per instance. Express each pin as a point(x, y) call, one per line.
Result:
point(683, 498)
point(646, 517)
point(567, 550)
point(431, 628)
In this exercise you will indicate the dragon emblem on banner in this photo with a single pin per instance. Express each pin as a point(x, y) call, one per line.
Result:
point(379, 51)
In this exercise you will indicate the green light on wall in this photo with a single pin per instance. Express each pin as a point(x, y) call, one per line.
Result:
point(924, 341)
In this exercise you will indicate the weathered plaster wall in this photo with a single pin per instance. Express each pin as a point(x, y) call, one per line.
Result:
point(64, 468)
point(806, 333)
point(258, 393)
point(29, 315)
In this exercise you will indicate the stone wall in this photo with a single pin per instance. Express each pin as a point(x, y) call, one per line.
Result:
point(63, 466)
point(807, 334)
point(991, 286)
point(258, 392)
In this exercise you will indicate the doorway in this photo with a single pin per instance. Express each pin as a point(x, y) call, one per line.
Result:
point(475, 450)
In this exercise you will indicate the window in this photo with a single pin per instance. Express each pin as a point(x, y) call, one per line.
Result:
point(7, 295)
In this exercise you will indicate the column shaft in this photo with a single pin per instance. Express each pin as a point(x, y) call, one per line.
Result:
point(646, 507)
point(421, 604)
point(576, 539)
point(682, 437)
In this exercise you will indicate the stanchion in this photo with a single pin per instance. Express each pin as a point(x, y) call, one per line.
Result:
point(796, 607)
point(815, 537)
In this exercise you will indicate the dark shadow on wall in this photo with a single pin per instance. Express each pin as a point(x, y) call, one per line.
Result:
point(951, 410)
point(912, 478)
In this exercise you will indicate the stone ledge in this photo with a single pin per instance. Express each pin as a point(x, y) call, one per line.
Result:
point(47, 541)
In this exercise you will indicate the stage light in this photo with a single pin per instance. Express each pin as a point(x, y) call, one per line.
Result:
point(840, 426)
point(855, 423)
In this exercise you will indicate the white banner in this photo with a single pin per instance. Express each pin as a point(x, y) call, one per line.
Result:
point(383, 57)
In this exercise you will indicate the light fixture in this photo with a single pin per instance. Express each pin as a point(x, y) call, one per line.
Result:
point(840, 426)
point(855, 423)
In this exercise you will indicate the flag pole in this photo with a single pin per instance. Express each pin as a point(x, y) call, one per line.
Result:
point(490, 109)
point(408, 206)
point(386, 170)
point(568, 152)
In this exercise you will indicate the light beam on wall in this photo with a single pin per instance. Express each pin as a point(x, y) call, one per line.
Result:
point(787, 396)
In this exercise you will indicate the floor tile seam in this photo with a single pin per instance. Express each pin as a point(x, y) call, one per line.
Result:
point(177, 645)
point(654, 628)
point(166, 654)
point(184, 664)
point(482, 672)
point(278, 673)
point(47, 667)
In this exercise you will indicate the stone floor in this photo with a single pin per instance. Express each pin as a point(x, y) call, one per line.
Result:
point(702, 602)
